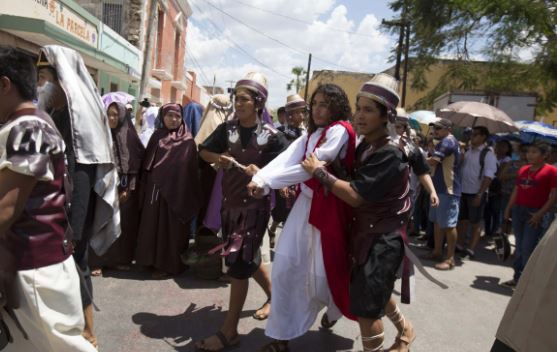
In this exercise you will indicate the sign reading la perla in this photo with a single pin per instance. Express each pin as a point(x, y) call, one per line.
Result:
point(55, 12)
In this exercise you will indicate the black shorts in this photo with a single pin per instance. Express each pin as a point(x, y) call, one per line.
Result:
point(372, 283)
point(242, 270)
point(470, 212)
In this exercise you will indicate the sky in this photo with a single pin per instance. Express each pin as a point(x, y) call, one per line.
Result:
point(228, 38)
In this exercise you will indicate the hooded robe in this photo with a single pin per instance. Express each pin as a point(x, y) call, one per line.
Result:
point(170, 197)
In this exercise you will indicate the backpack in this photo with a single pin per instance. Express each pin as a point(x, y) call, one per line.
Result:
point(495, 185)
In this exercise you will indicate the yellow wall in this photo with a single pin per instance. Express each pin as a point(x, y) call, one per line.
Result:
point(351, 83)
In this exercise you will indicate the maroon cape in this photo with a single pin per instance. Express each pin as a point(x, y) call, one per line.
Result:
point(331, 216)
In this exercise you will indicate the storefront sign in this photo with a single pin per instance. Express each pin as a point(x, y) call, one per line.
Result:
point(55, 12)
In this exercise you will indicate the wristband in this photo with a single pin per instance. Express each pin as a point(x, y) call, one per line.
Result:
point(324, 177)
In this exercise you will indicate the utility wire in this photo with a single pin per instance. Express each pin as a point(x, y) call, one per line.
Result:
point(242, 50)
point(196, 63)
point(301, 21)
point(276, 40)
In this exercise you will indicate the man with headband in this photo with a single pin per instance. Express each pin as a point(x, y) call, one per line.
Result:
point(240, 147)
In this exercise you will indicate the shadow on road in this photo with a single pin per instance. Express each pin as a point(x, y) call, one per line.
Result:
point(491, 284)
point(184, 280)
point(181, 331)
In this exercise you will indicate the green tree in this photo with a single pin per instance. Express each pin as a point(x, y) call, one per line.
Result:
point(297, 82)
point(495, 30)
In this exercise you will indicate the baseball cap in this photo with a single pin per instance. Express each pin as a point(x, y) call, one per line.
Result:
point(443, 123)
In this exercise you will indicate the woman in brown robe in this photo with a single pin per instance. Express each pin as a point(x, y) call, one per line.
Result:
point(128, 154)
point(170, 194)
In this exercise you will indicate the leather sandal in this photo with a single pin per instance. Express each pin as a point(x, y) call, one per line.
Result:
point(445, 265)
point(403, 341)
point(326, 323)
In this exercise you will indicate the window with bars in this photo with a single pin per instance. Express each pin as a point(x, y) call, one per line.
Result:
point(113, 13)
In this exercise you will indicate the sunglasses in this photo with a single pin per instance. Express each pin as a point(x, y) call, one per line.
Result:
point(438, 128)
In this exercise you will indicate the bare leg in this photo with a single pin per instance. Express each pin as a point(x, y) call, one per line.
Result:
point(451, 242)
point(261, 276)
point(372, 334)
point(272, 233)
point(88, 330)
point(476, 232)
point(462, 232)
point(238, 294)
point(438, 234)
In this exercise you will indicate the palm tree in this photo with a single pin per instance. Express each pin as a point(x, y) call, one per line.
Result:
point(297, 82)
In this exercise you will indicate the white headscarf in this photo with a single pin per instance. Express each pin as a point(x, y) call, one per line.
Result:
point(92, 142)
point(216, 112)
point(150, 116)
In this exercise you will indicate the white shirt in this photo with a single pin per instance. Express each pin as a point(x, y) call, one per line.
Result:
point(286, 169)
point(471, 180)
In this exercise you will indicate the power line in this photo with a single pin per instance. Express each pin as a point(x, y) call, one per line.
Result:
point(238, 47)
point(203, 75)
point(301, 21)
point(276, 40)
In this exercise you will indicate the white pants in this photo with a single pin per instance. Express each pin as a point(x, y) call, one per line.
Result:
point(50, 311)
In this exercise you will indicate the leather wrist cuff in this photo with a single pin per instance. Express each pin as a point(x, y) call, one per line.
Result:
point(324, 177)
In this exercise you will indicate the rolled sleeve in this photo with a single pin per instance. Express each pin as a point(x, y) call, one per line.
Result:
point(490, 165)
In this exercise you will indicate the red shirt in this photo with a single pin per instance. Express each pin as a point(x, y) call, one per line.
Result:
point(533, 187)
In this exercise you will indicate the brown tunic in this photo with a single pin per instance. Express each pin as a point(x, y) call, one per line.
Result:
point(386, 194)
point(244, 219)
point(170, 198)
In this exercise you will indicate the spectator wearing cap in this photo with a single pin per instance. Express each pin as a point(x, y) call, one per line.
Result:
point(445, 162)
point(417, 160)
point(479, 167)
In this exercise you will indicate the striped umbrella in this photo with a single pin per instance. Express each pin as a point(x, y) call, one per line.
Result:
point(531, 131)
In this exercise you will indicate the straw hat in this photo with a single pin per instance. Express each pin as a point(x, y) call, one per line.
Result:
point(295, 102)
point(382, 88)
point(401, 115)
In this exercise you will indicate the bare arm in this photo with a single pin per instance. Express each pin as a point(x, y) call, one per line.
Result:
point(537, 217)
point(432, 161)
point(427, 183)
point(15, 189)
point(209, 157)
point(512, 199)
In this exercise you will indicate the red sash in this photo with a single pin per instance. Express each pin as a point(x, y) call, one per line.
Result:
point(331, 216)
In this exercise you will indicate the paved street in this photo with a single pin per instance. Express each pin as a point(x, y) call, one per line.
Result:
point(141, 314)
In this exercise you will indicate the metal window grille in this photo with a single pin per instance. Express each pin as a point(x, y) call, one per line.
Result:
point(113, 14)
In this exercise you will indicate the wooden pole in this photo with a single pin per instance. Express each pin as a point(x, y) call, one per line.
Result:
point(307, 79)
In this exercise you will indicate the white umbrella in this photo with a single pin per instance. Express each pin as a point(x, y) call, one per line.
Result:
point(473, 114)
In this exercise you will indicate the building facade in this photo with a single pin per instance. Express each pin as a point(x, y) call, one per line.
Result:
point(169, 80)
point(111, 60)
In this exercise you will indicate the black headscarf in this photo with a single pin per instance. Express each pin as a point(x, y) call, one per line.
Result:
point(128, 149)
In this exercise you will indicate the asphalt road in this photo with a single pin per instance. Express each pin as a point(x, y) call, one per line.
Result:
point(141, 314)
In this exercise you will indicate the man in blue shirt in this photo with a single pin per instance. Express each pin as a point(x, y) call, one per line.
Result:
point(445, 163)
